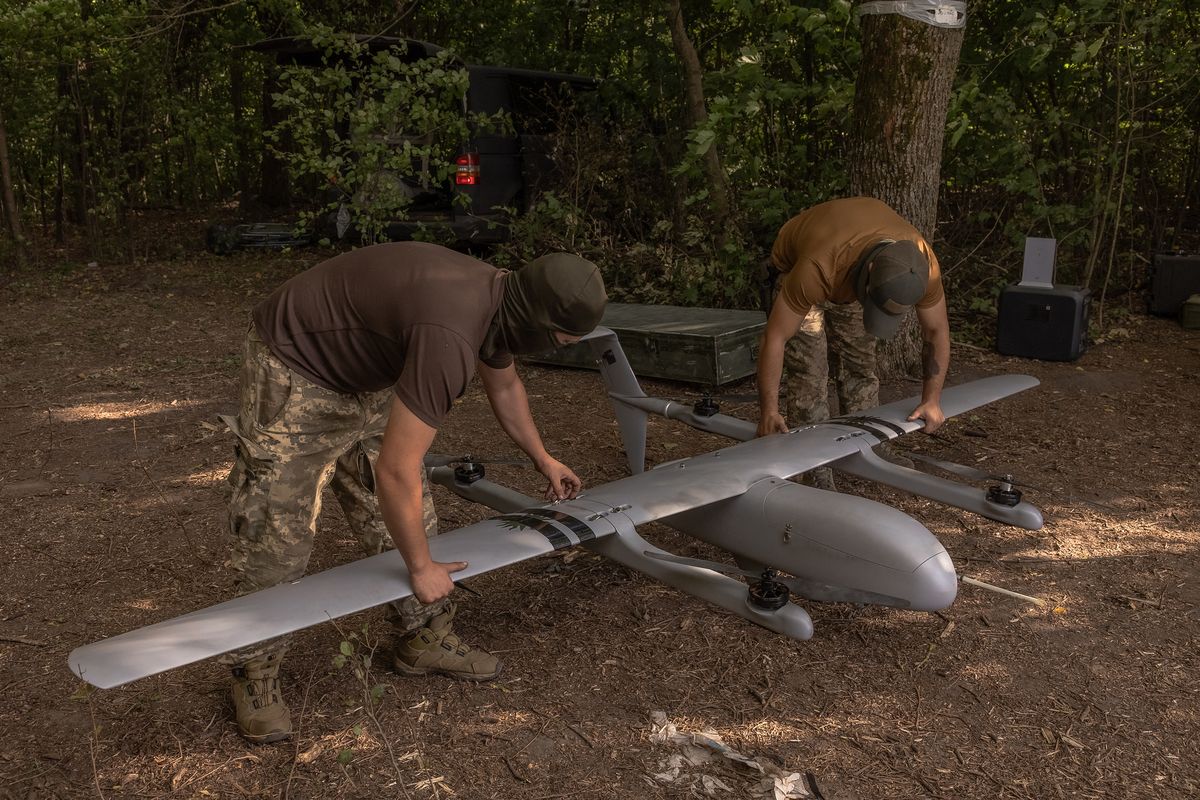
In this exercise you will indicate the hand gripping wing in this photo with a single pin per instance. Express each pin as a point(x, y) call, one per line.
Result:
point(327, 595)
point(664, 491)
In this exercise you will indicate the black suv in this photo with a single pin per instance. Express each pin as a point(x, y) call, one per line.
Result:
point(493, 172)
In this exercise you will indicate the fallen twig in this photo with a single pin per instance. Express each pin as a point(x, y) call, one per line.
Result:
point(287, 788)
point(999, 590)
point(22, 640)
point(513, 770)
point(581, 734)
point(1144, 600)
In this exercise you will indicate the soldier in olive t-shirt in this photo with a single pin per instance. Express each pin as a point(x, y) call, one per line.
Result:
point(349, 369)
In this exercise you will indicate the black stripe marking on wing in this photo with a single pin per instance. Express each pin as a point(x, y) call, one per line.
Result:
point(548, 529)
point(577, 526)
point(863, 426)
point(885, 423)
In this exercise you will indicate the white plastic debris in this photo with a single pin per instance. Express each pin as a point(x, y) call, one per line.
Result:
point(938, 13)
point(698, 753)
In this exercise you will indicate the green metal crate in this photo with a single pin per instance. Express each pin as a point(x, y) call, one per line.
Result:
point(1189, 313)
point(705, 346)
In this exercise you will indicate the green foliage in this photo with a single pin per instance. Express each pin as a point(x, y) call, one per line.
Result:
point(356, 651)
point(373, 131)
point(1075, 121)
point(1072, 120)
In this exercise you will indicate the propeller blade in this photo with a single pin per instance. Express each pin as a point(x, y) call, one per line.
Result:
point(971, 473)
point(438, 460)
point(963, 471)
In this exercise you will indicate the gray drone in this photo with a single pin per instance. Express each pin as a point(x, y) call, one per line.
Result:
point(787, 539)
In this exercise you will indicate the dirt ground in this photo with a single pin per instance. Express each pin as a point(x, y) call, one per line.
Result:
point(111, 507)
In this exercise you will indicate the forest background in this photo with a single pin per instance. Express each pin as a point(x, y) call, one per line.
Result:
point(1079, 121)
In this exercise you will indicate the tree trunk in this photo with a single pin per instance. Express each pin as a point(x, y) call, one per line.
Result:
point(67, 134)
point(693, 75)
point(899, 122)
point(12, 215)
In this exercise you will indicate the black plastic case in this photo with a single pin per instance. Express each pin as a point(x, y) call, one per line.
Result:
point(1046, 323)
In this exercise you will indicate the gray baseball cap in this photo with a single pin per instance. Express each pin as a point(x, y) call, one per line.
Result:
point(890, 281)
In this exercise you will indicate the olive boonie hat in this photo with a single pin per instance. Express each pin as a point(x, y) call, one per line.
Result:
point(890, 281)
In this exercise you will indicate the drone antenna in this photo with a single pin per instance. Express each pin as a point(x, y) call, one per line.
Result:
point(1037, 601)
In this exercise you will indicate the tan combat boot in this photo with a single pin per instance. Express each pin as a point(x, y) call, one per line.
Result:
point(261, 713)
point(436, 648)
point(819, 478)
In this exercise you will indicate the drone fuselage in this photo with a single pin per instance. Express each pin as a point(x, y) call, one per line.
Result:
point(842, 547)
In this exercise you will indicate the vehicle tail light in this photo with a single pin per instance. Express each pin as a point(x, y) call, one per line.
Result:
point(466, 169)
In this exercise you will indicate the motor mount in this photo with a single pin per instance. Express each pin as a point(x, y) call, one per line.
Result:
point(706, 407)
point(768, 593)
point(469, 472)
point(1004, 493)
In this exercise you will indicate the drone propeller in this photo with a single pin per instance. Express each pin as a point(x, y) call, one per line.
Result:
point(804, 587)
point(436, 460)
point(709, 402)
point(970, 473)
point(973, 474)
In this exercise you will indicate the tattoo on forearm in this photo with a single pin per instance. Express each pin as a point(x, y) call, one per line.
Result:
point(929, 361)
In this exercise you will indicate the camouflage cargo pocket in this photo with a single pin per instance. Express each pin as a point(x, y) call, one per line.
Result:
point(248, 492)
point(266, 385)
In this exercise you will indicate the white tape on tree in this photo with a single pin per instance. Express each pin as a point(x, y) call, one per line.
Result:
point(938, 13)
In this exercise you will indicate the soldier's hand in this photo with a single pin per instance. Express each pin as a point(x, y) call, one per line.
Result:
point(931, 413)
point(433, 582)
point(771, 423)
point(563, 484)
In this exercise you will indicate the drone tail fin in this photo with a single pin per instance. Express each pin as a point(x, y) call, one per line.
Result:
point(620, 382)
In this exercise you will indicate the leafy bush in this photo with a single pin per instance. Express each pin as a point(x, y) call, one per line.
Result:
point(372, 131)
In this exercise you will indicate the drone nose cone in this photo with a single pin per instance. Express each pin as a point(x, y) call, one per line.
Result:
point(935, 584)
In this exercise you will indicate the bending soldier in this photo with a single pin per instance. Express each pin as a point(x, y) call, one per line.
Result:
point(850, 270)
point(350, 367)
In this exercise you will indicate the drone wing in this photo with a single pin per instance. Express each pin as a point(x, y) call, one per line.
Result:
point(690, 483)
point(631, 406)
point(327, 595)
point(666, 490)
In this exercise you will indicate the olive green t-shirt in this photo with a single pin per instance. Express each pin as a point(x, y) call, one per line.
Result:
point(818, 248)
point(409, 315)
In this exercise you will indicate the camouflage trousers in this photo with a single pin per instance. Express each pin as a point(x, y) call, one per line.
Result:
point(831, 338)
point(294, 439)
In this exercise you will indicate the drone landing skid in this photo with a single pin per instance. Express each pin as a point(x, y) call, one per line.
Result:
point(633, 551)
point(867, 464)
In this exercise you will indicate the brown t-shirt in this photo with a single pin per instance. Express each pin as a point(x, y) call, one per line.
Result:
point(818, 249)
point(409, 315)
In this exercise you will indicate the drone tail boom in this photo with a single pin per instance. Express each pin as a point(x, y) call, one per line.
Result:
point(622, 385)
point(631, 406)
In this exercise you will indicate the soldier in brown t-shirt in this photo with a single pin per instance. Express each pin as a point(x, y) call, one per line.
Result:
point(349, 369)
point(851, 269)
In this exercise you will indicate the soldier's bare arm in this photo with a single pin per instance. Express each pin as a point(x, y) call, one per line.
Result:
point(935, 363)
point(510, 404)
point(398, 487)
point(782, 325)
